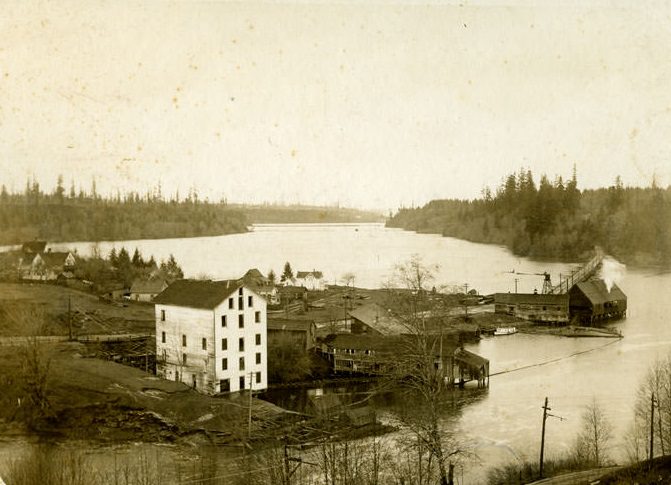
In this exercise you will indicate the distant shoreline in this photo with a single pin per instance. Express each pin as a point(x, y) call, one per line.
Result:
point(250, 228)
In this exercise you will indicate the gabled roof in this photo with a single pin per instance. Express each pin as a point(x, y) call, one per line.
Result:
point(531, 299)
point(469, 358)
point(366, 342)
point(54, 258)
point(152, 286)
point(304, 274)
point(391, 346)
point(197, 293)
point(34, 246)
point(290, 325)
point(597, 292)
point(255, 276)
point(379, 319)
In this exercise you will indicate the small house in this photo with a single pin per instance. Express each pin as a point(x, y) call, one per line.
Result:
point(48, 266)
point(592, 301)
point(312, 280)
point(33, 247)
point(299, 332)
point(262, 285)
point(147, 290)
point(114, 290)
point(291, 293)
point(255, 277)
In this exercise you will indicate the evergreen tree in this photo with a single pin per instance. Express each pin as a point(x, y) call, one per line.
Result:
point(137, 260)
point(272, 277)
point(123, 259)
point(287, 274)
point(113, 259)
point(60, 190)
point(152, 262)
point(171, 269)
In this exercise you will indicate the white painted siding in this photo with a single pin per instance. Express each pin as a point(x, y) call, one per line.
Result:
point(196, 325)
point(206, 365)
point(233, 333)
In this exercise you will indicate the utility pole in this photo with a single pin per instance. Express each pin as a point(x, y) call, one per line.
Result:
point(249, 422)
point(287, 472)
point(652, 426)
point(69, 317)
point(545, 416)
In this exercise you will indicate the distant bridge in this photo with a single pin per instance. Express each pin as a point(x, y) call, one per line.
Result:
point(585, 272)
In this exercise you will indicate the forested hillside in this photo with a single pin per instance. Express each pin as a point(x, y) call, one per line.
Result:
point(555, 219)
point(279, 214)
point(61, 216)
point(70, 215)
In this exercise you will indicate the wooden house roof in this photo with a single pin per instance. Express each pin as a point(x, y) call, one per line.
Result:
point(254, 276)
point(54, 258)
point(34, 247)
point(597, 292)
point(304, 274)
point(197, 293)
point(379, 319)
point(151, 286)
point(470, 359)
point(391, 345)
point(365, 342)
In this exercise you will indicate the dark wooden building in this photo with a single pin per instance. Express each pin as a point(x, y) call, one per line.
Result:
point(299, 332)
point(547, 309)
point(592, 302)
point(378, 355)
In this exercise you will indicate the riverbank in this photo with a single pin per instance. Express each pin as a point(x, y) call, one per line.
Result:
point(572, 331)
point(91, 399)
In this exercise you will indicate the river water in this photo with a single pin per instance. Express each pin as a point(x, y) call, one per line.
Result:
point(503, 423)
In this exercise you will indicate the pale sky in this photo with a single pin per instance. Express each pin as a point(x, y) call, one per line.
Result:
point(369, 105)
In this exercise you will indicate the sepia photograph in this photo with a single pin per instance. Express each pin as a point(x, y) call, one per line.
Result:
point(335, 242)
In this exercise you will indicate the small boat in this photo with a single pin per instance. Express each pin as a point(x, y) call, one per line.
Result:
point(505, 331)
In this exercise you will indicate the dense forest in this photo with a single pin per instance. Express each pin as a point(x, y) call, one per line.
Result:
point(555, 219)
point(64, 215)
point(278, 214)
point(79, 215)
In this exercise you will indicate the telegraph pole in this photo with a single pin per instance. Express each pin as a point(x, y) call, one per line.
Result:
point(545, 417)
point(652, 426)
point(70, 317)
point(249, 421)
point(287, 471)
